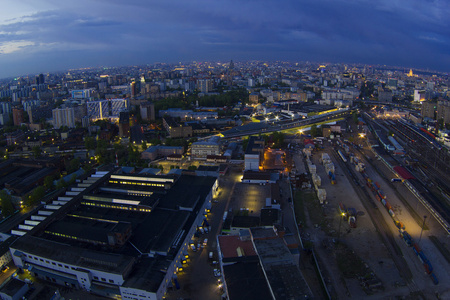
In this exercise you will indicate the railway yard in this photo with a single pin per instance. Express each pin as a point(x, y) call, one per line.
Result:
point(376, 233)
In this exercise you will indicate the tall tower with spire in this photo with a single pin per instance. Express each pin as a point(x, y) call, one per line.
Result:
point(230, 73)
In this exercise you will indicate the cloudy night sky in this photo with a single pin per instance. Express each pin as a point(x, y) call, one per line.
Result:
point(50, 35)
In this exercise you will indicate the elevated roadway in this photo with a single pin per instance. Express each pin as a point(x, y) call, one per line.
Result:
point(285, 126)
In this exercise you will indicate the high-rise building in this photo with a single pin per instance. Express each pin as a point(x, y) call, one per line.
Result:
point(147, 111)
point(39, 114)
point(204, 85)
point(17, 116)
point(5, 107)
point(419, 95)
point(133, 89)
point(443, 110)
point(40, 79)
point(124, 124)
point(428, 109)
point(63, 117)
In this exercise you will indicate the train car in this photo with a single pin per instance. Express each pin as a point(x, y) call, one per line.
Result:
point(434, 279)
point(344, 159)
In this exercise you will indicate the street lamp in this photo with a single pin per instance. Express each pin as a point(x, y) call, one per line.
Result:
point(423, 225)
point(341, 216)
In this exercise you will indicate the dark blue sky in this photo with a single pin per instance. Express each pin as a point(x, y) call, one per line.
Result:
point(49, 35)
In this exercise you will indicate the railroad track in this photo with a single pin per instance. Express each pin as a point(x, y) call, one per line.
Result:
point(379, 222)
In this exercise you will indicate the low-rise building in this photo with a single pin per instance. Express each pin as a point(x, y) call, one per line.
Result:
point(117, 235)
point(201, 149)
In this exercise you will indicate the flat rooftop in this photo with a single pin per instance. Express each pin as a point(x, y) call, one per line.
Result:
point(245, 281)
point(65, 253)
point(229, 245)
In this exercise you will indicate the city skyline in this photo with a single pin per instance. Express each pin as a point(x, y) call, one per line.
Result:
point(47, 36)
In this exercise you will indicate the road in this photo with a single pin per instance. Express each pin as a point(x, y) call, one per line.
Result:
point(197, 280)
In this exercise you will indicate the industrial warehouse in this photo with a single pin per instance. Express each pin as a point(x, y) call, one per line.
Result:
point(118, 235)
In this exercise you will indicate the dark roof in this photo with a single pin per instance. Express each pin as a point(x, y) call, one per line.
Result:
point(246, 281)
point(4, 247)
point(65, 253)
point(252, 175)
point(208, 168)
point(187, 191)
point(245, 221)
point(269, 216)
point(254, 143)
point(12, 287)
point(159, 230)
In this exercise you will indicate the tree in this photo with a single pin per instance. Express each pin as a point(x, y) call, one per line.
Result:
point(144, 146)
point(314, 130)
point(355, 117)
point(73, 165)
point(5, 201)
point(48, 182)
point(89, 143)
point(37, 151)
point(36, 196)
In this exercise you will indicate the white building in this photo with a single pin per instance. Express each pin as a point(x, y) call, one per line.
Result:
point(202, 149)
point(63, 117)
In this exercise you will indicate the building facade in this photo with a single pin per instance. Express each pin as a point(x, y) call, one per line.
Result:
point(63, 117)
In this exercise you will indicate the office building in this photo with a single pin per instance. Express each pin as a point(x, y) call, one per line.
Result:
point(63, 117)
point(115, 235)
point(81, 94)
point(176, 130)
point(254, 153)
point(201, 149)
point(419, 95)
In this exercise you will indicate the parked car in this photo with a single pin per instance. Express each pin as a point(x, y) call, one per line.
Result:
point(217, 273)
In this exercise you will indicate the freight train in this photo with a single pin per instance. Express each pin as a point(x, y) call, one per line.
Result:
point(375, 187)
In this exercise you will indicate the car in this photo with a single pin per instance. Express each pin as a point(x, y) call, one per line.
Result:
point(217, 273)
point(205, 242)
point(193, 248)
point(210, 255)
point(199, 246)
point(214, 262)
point(202, 231)
point(206, 230)
point(5, 268)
